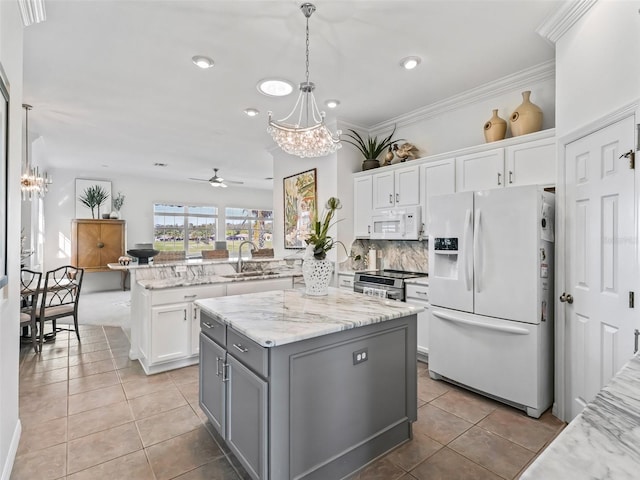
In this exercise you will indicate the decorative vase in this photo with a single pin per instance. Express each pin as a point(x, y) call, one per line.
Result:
point(527, 118)
point(370, 163)
point(115, 214)
point(495, 128)
point(316, 274)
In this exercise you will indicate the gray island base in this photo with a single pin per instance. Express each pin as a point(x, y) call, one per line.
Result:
point(306, 387)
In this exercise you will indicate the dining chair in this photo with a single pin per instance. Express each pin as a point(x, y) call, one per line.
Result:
point(60, 297)
point(29, 293)
point(215, 254)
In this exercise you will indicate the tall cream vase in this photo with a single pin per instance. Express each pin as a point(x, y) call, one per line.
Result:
point(527, 118)
point(316, 273)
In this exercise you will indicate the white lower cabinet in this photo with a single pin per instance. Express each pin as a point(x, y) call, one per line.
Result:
point(170, 332)
point(419, 295)
point(171, 326)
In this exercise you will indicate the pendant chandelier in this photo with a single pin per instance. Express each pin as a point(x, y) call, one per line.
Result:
point(309, 136)
point(32, 184)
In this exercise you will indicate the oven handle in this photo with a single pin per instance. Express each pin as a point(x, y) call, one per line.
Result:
point(487, 326)
point(390, 294)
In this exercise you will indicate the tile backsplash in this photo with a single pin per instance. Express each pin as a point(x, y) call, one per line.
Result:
point(410, 256)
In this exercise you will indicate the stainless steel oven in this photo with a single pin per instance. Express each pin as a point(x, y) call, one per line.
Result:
point(389, 281)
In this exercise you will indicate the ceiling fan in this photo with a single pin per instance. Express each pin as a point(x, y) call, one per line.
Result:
point(217, 181)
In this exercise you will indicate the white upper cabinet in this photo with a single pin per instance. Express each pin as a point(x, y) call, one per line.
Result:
point(436, 178)
point(480, 171)
point(531, 163)
point(363, 199)
point(397, 188)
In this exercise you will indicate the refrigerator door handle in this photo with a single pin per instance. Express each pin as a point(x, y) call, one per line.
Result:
point(499, 328)
point(477, 254)
point(466, 252)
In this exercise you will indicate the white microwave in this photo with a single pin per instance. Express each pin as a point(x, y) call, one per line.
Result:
point(396, 224)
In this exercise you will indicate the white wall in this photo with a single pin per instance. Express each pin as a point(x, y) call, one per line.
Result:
point(11, 59)
point(598, 64)
point(458, 122)
point(141, 194)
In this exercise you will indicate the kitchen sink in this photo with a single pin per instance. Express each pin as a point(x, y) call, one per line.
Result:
point(249, 274)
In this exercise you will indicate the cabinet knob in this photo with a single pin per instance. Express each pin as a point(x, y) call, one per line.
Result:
point(100, 245)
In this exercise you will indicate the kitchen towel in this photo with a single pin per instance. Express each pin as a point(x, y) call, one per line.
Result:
point(375, 292)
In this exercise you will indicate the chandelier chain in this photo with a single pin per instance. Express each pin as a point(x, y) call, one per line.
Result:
point(307, 51)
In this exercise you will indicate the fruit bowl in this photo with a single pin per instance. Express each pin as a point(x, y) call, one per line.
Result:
point(143, 254)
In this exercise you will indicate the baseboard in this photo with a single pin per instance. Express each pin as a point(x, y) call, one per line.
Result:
point(11, 454)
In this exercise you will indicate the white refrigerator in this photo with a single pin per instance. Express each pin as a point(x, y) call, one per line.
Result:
point(491, 291)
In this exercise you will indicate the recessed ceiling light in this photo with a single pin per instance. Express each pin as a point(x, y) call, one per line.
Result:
point(158, 164)
point(332, 103)
point(202, 61)
point(274, 87)
point(409, 63)
point(251, 112)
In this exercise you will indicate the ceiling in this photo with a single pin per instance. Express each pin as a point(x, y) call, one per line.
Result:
point(113, 86)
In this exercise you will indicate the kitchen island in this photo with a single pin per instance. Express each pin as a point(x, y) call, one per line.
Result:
point(308, 387)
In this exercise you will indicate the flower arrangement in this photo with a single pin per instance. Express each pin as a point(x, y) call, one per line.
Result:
point(118, 201)
point(319, 237)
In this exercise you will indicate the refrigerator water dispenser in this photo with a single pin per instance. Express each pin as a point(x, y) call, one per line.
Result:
point(445, 258)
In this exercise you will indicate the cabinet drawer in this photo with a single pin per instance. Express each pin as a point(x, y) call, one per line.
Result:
point(345, 281)
point(186, 294)
point(213, 328)
point(418, 292)
point(248, 352)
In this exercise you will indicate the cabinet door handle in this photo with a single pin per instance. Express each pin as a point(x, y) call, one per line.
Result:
point(397, 197)
point(191, 296)
point(225, 372)
point(369, 229)
point(208, 325)
point(185, 314)
point(218, 366)
point(391, 198)
point(240, 348)
point(421, 293)
point(510, 176)
point(499, 177)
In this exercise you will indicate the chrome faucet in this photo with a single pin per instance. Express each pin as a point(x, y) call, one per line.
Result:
point(253, 247)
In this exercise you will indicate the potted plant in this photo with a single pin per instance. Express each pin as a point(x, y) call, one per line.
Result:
point(371, 148)
point(316, 269)
point(93, 197)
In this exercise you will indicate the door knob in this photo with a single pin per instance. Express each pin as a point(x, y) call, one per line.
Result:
point(565, 297)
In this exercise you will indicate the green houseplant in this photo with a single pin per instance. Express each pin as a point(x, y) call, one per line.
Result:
point(319, 238)
point(371, 148)
point(93, 197)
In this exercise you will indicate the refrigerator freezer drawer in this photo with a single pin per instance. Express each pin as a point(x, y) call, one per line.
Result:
point(501, 358)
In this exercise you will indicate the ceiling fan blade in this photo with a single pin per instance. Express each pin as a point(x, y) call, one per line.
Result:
point(234, 181)
point(199, 179)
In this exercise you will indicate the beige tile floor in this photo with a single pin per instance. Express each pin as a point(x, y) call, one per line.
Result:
point(88, 412)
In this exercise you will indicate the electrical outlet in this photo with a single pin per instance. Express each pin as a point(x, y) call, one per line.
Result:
point(360, 356)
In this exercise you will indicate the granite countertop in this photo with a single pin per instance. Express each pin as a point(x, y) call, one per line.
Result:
point(171, 282)
point(602, 442)
point(188, 262)
point(286, 316)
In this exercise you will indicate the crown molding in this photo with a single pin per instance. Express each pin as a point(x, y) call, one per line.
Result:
point(560, 21)
point(523, 78)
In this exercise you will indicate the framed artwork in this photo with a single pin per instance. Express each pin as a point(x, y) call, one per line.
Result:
point(4, 168)
point(82, 211)
point(300, 203)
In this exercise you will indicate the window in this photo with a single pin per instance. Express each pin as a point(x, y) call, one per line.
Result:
point(187, 228)
point(248, 224)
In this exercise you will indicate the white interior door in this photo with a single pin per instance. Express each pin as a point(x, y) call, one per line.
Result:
point(600, 261)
